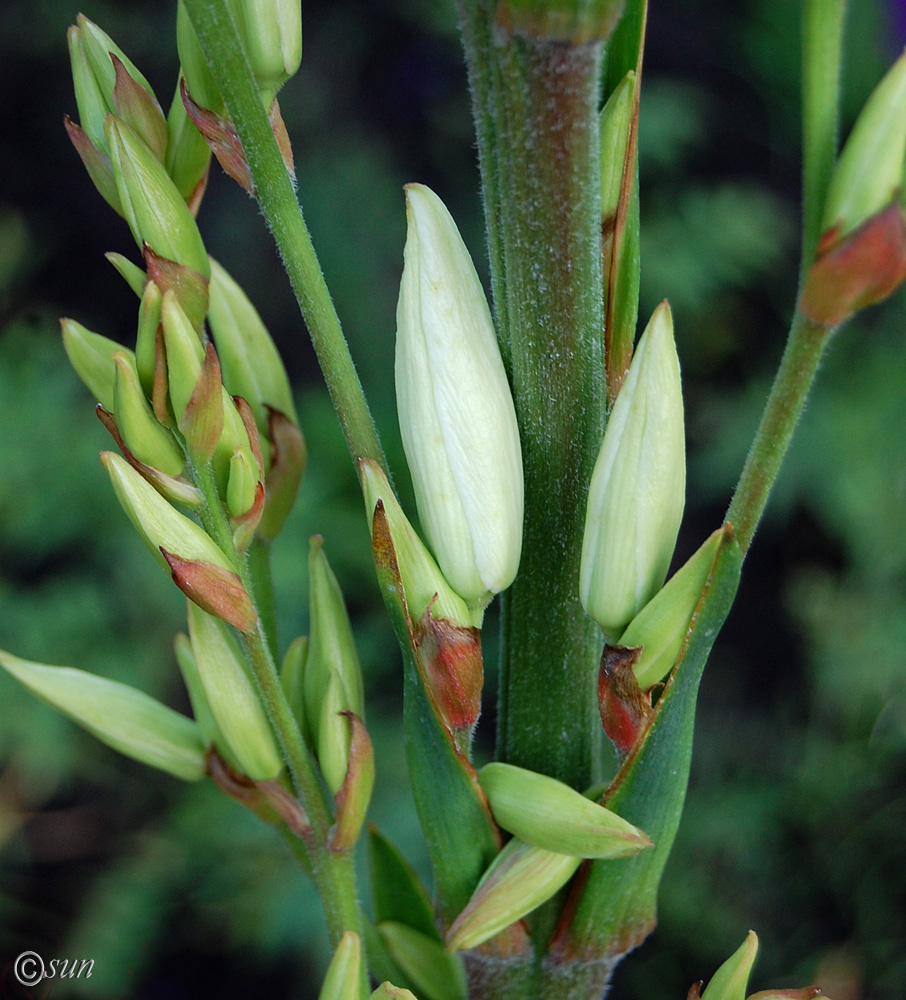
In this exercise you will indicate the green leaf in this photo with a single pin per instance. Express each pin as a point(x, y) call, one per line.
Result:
point(397, 891)
point(616, 909)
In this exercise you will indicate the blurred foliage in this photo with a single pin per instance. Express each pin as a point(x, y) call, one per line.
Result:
point(795, 818)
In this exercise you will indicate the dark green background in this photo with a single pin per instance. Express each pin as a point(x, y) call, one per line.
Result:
point(796, 816)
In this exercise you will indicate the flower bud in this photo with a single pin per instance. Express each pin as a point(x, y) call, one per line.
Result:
point(91, 355)
point(188, 159)
point(272, 34)
point(148, 441)
point(232, 696)
point(869, 171)
point(546, 813)
point(387, 991)
point(424, 586)
point(353, 797)
point(201, 710)
point(341, 982)
point(195, 71)
point(185, 353)
point(332, 657)
point(432, 970)
point(519, 879)
point(292, 672)
point(456, 413)
point(152, 205)
point(149, 316)
point(730, 980)
point(106, 82)
point(251, 364)
point(660, 628)
point(118, 715)
point(333, 735)
point(616, 118)
point(157, 522)
point(242, 488)
point(636, 496)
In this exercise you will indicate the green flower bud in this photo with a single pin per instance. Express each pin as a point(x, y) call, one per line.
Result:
point(118, 715)
point(148, 441)
point(199, 81)
point(94, 75)
point(333, 735)
point(152, 205)
point(91, 355)
point(232, 696)
point(636, 496)
point(242, 487)
point(869, 171)
point(149, 316)
point(456, 413)
point(201, 710)
point(423, 583)
point(518, 881)
point(546, 813)
point(185, 353)
point(616, 118)
point(433, 971)
point(660, 627)
point(156, 521)
point(292, 672)
point(251, 364)
point(341, 981)
point(331, 648)
point(272, 33)
point(188, 158)
point(387, 991)
point(729, 982)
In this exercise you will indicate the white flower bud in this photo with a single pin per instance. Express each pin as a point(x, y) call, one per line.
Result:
point(456, 413)
point(636, 497)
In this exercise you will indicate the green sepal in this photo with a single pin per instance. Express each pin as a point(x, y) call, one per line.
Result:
point(131, 273)
point(387, 991)
point(341, 981)
point(149, 315)
point(126, 719)
point(461, 835)
point(91, 355)
point(616, 905)
point(731, 979)
point(397, 891)
point(188, 159)
point(434, 972)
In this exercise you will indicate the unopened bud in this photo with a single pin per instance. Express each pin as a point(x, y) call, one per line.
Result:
point(341, 982)
point(333, 734)
point(387, 991)
point(730, 980)
point(660, 628)
point(869, 172)
point(199, 81)
point(353, 798)
point(188, 159)
point(185, 659)
point(331, 649)
point(251, 364)
point(157, 522)
point(520, 878)
point(148, 441)
point(120, 716)
point(185, 353)
point(272, 34)
point(456, 413)
point(91, 355)
point(636, 496)
point(546, 813)
point(423, 583)
point(242, 488)
point(292, 672)
point(616, 119)
point(149, 315)
point(152, 205)
point(231, 694)
point(433, 971)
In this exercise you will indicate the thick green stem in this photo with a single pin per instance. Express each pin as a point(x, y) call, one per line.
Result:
point(277, 198)
point(536, 106)
point(794, 378)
